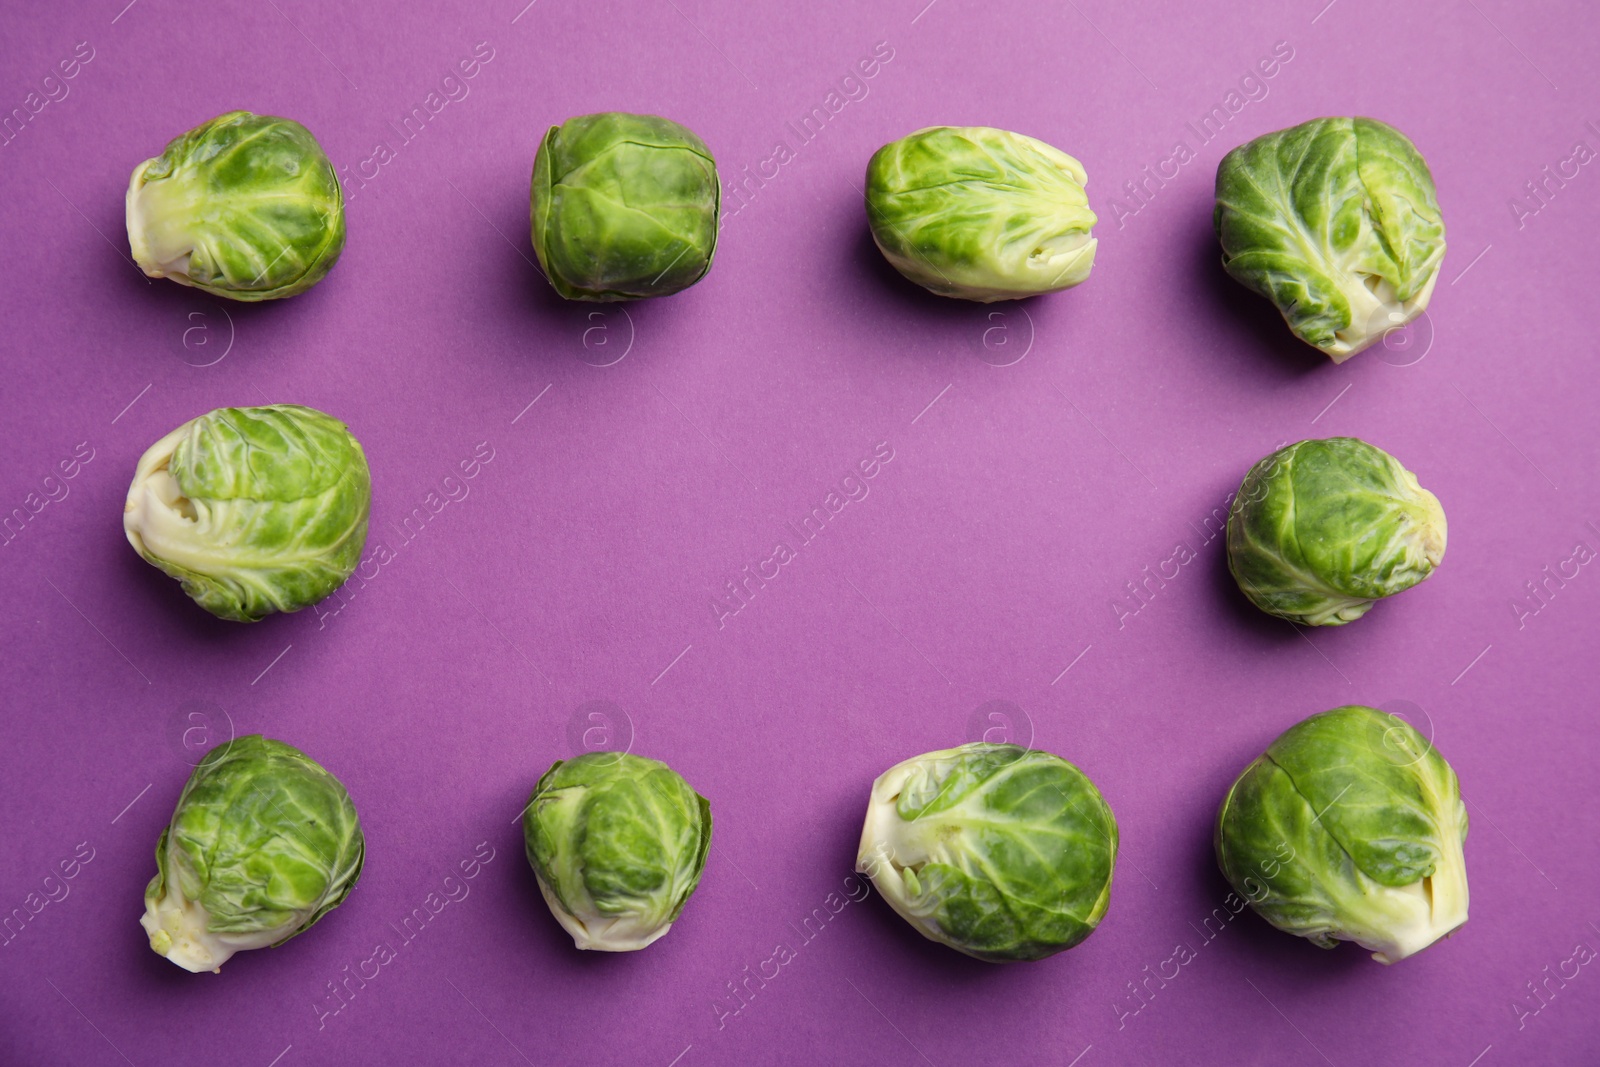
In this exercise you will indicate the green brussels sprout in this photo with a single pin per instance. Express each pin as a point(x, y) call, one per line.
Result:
point(617, 843)
point(1320, 530)
point(244, 206)
point(1349, 828)
point(1337, 223)
point(623, 206)
point(980, 214)
point(1000, 852)
point(262, 844)
point(254, 510)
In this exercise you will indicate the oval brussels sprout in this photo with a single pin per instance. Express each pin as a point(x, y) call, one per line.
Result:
point(1320, 530)
point(1000, 852)
point(263, 843)
point(254, 510)
point(617, 843)
point(980, 214)
point(623, 206)
point(244, 206)
point(1336, 222)
point(1349, 828)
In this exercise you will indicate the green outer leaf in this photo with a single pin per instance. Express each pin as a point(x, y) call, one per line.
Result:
point(281, 496)
point(1343, 808)
point(1001, 852)
point(1310, 215)
point(1322, 528)
point(263, 838)
point(256, 199)
point(980, 213)
point(614, 834)
point(623, 206)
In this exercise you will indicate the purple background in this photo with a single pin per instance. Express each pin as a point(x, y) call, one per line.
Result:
point(1044, 455)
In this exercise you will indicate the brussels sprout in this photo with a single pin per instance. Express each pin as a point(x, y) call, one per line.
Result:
point(617, 843)
point(980, 214)
point(1336, 222)
point(254, 510)
point(1000, 852)
point(1321, 529)
point(1349, 828)
point(244, 206)
point(263, 843)
point(623, 206)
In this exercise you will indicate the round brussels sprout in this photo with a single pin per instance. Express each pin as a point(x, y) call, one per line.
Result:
point(263, 843)
point(244, 206)
point(980, 214)
point(254, 510)
point(623, 206)
point(1349, 828)
point(617, 843)
point(1337, 223)
point(1000, 852)
point(1320, 530)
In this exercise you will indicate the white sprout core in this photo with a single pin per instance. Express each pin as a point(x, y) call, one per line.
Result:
point(161, 248)
point(179, 930)
point(604, 933)
point(160, 521)
point(1374, 311)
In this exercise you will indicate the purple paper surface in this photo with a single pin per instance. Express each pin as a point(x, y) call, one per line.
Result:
point(628, 463)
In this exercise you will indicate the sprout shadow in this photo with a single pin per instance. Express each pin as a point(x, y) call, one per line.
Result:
point(1253, 938)
point(1247, 322)
point(545, 935)
point(164, 596)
